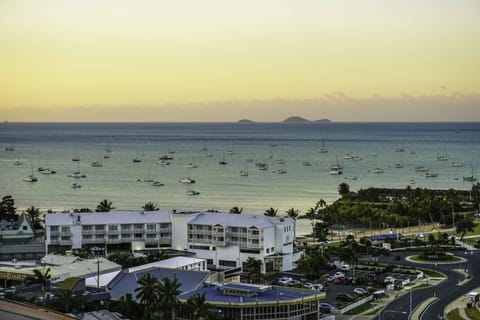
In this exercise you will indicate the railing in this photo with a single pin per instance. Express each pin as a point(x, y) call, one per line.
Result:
point(114, 240)
point(138, 230)
point(65, 233)
point(218, 243)
point(199, 231)
point(113, 231)
point(238, 234)
point(54, 233)
point(254, 236)
point(65, 242)
point(93, 240)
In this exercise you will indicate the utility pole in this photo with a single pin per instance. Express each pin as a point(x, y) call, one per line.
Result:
point(98, 273)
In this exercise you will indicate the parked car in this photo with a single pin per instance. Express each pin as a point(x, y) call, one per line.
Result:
point(389, 279)
point(344, 297)
point(360, 291)
point(326, 307)
point(345, 267)
point(338, 280)
point(330, 278)
point(339, 274)
point(317, 287)
point(308, 285)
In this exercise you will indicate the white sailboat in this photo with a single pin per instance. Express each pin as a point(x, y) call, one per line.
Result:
point(323, 148)
point(146, 179)
point(31, 177)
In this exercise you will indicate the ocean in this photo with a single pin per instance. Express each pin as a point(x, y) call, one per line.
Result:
point(394, 149)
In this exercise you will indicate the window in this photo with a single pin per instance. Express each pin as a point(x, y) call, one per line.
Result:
point(99, 237)
point(86, 228)
point(125, 236)
point(126, 227)
point(138, 236)
point(100, 228)
point(227, 263)
point(151, 227)
point(113, 227)
point(209, 261)
point(113, 237)
point(65, 238)
point(151, 236)
point(88, 237)
point(65, 229)
point(25, 228)
point(138, 226)
point(54, 228)
point(54, 238)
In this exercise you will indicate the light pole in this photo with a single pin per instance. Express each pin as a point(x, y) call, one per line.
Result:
point(392, 311)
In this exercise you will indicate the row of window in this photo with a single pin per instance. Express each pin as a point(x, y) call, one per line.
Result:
point(113, 227)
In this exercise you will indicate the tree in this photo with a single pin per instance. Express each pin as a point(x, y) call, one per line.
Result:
point(465, 225)
point(148, 292)
point(254, 267)
point(311, 213)
point(150, 206)
point(42, 277)
point(320, 231)
point(236, 210)
point(64, 299)
point(168, 291)
point(104, 206)
point(293, 213)
point(344, 190)
point(34, 216)
point(7, 209)
point(198, 306)
point(271, 212)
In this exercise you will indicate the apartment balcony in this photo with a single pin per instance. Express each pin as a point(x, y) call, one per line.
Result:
point(88, 232)
point(197, 231)
point(126, 230)
point(54, 233)
point(218, 234)
point(254, 236)
point(119, 240)
point(238, 234)
point(150, 231)
point(114, 232)
point(65, 242)
point(65, 233)
point(165, 229)
point(218, 243)
point(93, 240)
point(138, 229)
point(195, 240)
point(255, 245)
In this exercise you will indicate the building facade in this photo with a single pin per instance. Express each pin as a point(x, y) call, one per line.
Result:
point(224, 240)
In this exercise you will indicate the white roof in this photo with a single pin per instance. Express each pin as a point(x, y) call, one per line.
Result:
point(58, 260)
point(85, 268)
point(120, 217)
point(237, 220)
point(104, 279)
point(172, 263)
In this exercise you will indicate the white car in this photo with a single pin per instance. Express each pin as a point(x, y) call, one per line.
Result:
point(339, 275)
point(389, 279)
point(359, 291)
point(345, 267)
point(317, 287)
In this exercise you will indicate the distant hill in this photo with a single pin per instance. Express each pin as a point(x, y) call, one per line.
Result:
point(322, 121)
point(245, 121)
point(297, 119)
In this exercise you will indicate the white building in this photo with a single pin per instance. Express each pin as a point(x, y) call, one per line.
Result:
point(223, 239)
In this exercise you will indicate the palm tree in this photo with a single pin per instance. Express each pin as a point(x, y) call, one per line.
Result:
point(104, 206)
point(148, 292)
point(344, 189)
point(198, 306)
point(236, 210)
point(168, 291)
point(271, 212)
point(34, 216)
point(7, 209)
point(42, 277)
point(150, 206)
point(127, 306)
point(65, 299)
point(293, 213)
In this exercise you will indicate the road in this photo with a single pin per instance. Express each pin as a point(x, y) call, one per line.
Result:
point(447, 291)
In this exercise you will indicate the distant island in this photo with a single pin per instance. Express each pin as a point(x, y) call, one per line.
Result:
point(297, 119)
point(245, 121)
point(292, 119)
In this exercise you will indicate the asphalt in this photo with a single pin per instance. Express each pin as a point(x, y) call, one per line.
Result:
point(447, 291)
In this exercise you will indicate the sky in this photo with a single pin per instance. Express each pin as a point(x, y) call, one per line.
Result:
point(221, 60)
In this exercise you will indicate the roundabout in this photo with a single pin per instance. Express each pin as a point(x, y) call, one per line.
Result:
point(452, 260)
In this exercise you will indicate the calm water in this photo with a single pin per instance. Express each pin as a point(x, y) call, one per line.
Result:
point(222, 187)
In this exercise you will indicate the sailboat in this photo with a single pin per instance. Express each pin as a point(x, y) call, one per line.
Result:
point(76, 157)
point(191, 192)
point(323, 148)
point(222, 161)
point(31, 177)
point(148, 179)
point(335, 169)
point(77, 174)
point(107, 154)
point(470, 178)
point(137, 159)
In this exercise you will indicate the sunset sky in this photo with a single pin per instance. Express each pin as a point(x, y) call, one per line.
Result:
point(191, 60)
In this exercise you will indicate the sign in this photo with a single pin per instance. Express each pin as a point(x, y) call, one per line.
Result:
point(13, 276)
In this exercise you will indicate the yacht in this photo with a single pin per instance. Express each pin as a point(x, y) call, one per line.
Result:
point(281, 171)
point(222, 161)
point(76, 186)
point(261, 166)
point(77, 175)
point(96, 164)
point(243, 173)
point(191, 165)
point(431, 175)
point(147, 179)
point(442, 157)
point(30, 178)
point(10, 147)
point(421, 169)
point(187, 180)
point(398, 165)
point(191, 192)
point(457, 164)
point(76, 157)
point(157, 184)
point(136, 160)
point(469, 178)
point(399, 150)
point(377, 170)
point(357, 158)
point(306, 164)
point(351, 178)
point(18, 162)
point(163, 163)
point(335, 170)
point(348, 156)
point(47, 171)
point(166, 157)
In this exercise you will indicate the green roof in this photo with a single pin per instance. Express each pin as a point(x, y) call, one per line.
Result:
point(70, 283)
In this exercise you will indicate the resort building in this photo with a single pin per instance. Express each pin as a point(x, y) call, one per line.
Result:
point(18, 240)
point(238, 301)
point(224, 240)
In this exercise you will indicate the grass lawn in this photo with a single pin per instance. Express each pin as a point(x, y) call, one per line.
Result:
point(452, 260)
point(471, 241)
point(361, 308)
point(472, 313)
point(432, 273)
point(454, 315)
point(476, 231)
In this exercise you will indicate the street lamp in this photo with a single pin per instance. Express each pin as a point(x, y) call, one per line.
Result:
point(392, 311)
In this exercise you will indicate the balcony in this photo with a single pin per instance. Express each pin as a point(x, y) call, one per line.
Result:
point(218, 243)
point(65, 233)
point(93, 240)
point(255, 245)
point(165, 229)
point(238, 234)
point(114, 232)
point(138, 230)
point(114, 240)
point(150, 231)
point(87, 232)
point(254, 236)
point(65, 242)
